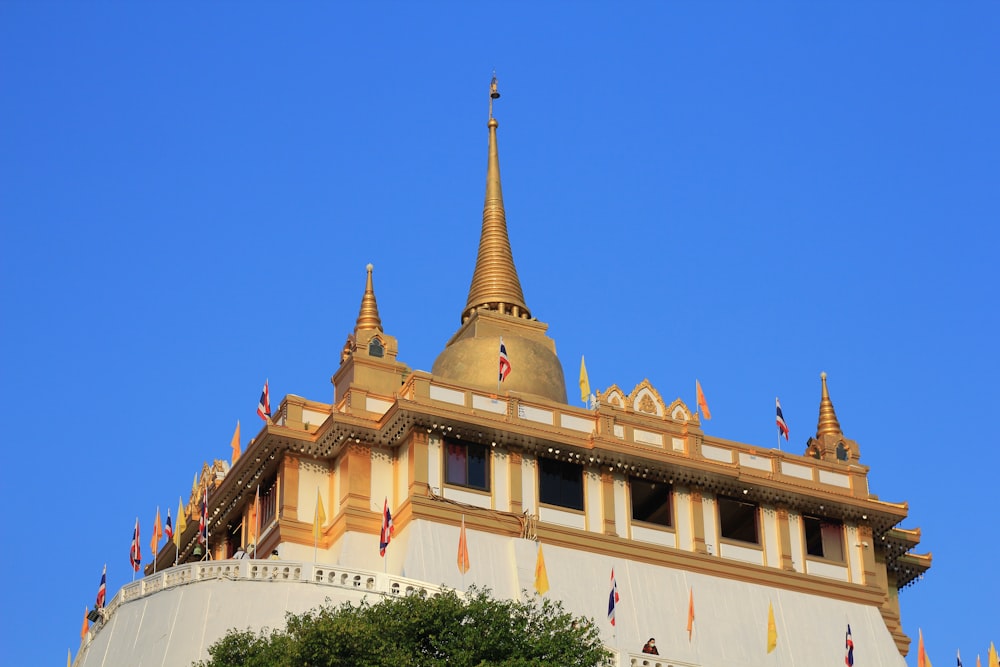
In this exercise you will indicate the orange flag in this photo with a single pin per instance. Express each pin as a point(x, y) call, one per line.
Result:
point(157, 534)
point(702, 403)
point(690, 612)
point(463, 550)
point(235, 444)
point(922, 660)
point(86, 625)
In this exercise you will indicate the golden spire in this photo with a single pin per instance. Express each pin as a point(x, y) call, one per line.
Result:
point(368, 318)
point(828, 424)
point(495, 285)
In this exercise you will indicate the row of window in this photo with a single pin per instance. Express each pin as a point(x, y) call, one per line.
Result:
point(561, 484)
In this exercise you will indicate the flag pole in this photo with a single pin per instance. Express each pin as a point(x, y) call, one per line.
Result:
point(256, 520)
point(315, 528)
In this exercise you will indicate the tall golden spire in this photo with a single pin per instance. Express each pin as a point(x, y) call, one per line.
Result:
point(828, 424)
point(368, 319)
point(495, 285)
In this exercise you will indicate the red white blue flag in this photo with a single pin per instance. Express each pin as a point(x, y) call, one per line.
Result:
point(264, 405)
point(387, 529)
point(504, 362)
point(135, 553)
point(203, 521)
point(613, 598)
point(782, 426)
point(168, 529)
point(849, 647)
point(102, 590)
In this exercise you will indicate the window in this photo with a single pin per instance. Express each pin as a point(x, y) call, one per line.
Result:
point(468, 464)
point(738, 520)
point(375, 348)
point(651, 501)
point(824, 538)
point(560, 483)
point(841, 452)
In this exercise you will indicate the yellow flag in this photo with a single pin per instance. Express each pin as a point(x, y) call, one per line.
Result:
point(463, 550)
point(584, 381)
point(157, 534)
point(69, 658)
point(181, 524)
point(541, 576)
point(235, 444)
point(320, 516)
point(701, 401)
point(993, 660)
point(772, 629)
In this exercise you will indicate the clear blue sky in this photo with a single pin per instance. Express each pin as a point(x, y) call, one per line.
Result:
point(746, 195)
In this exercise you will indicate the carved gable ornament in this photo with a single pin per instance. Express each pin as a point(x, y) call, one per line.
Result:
point(614, 396)
point(645, 399)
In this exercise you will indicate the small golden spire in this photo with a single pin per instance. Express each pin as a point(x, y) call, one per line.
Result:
point(495, 285)
point(828, 424)
point(368, 318)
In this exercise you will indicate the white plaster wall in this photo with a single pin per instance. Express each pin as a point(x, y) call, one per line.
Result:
point(621, 506)
point(772, 548)
point(654, 536)
point(176, 626)
point(529, 483)
point(854, 550)
point(829, 570)
point(711, 524)
point(401, 471)
point(434, 463)
point(468, 497)
point(683, 518)
point(592, 502)
point(797, 537)
point(500, 468)
point(563, 517)
point(745, 554)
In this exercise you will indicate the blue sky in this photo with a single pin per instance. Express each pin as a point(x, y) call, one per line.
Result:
point(744, 195)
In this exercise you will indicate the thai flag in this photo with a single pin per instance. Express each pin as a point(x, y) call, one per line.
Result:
point(849, 647)
point(264, 405)
point(203, 521)
point(504, 362)
point(168, 529)
point(782, 426)
point(135, 554)
point(102, 590)
point(387, 529)
point(613, 598)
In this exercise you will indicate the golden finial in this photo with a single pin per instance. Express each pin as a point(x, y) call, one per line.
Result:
point(828, 424)
point(495, 285)
point(368, 318)
point(494, 93)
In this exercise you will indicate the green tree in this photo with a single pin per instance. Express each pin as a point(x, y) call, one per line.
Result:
point(420, 631)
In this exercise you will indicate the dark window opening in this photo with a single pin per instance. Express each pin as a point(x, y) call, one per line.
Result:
point(824, 538)
point(738, 520)
point(651, 501)
point(841, 452)
point(560, 483)
point(468, 464)
point(268, 503)
point(375, 348)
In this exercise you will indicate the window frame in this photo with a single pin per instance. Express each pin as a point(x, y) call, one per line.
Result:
point(669, 501)
point(813, 533)
point(742, 504)
point(486, 453)
point(545, 498)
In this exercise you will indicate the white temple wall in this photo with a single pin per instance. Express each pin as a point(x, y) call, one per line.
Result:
point(313, 475)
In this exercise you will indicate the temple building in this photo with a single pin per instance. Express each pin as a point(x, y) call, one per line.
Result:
point(630, 483)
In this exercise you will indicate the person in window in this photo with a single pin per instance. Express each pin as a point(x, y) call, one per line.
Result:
point(274, 554)
point(240, 554)
point(650, 647)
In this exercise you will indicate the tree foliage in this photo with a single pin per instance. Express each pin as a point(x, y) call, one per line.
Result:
point(419, 630)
